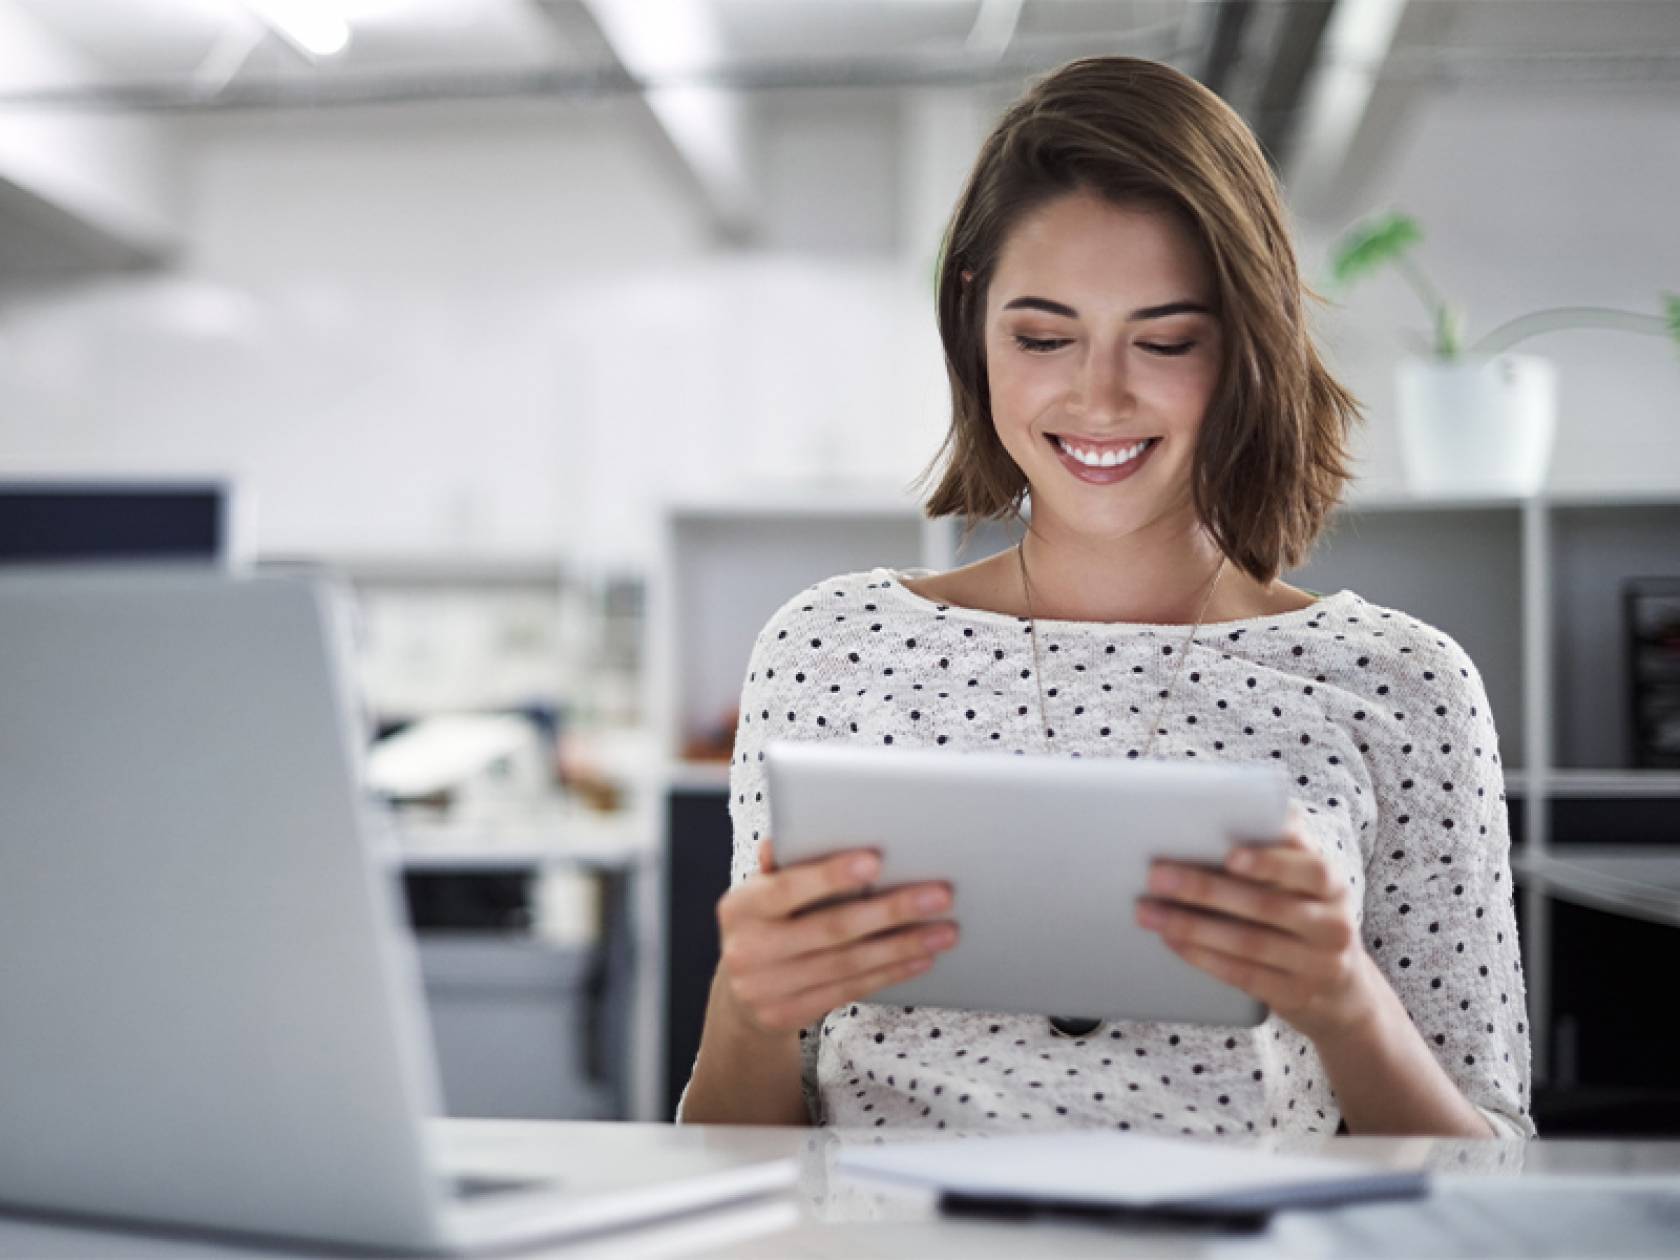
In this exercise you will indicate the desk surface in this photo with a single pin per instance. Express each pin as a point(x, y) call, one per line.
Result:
point(1574, 1198)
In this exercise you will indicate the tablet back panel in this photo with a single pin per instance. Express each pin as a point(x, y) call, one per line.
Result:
point(1047, 856)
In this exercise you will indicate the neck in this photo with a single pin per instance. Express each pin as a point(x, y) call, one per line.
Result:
point(1132, 579)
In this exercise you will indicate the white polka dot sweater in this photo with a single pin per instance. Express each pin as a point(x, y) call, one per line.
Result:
point(1382, 724)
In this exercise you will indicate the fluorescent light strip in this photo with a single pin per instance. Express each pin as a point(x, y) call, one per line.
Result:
point(317, 27)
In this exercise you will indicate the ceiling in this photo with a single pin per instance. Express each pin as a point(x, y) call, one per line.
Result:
point(1324, 83)
point(162, 39)
point(1261, 55)
point(167, 39)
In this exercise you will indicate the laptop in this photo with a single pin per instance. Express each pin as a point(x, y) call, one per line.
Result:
point(211, 1012)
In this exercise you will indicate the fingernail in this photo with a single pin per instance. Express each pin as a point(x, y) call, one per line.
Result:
point(1241, 860)
point(1148, 914)
point(939, 937)
point(932, 899)
point(866, 867)
point(1164, 879)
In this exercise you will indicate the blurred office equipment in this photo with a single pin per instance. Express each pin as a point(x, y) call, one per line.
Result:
point(75, 520)
point(503, 689)
point(461, 755)
point(531, 945)
point(526, 1025)
point(1653, 648)
point(527, 991)
point(1530, 587)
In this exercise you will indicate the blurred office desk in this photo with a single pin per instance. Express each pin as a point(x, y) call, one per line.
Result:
point(1546, 1198)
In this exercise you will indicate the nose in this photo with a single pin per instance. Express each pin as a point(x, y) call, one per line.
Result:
point(1104, 392)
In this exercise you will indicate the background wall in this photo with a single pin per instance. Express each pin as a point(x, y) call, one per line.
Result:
point(418, 330)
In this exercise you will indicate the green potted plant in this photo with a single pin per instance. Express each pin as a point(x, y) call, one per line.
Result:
point(1475, 419)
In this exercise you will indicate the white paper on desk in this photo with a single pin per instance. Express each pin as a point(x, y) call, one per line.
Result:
point(1133, 1170)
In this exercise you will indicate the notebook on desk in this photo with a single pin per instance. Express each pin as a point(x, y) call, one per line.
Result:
point(1133, 1172)
point(210, 1006)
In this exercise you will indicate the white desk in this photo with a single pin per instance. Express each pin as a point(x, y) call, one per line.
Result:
point(1491, 1199)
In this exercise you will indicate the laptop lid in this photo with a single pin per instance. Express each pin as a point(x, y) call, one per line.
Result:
point(207, 1011)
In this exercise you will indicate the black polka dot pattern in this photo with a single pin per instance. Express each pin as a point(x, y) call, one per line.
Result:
point(1381, 722)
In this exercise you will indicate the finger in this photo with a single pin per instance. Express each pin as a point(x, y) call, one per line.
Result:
point(1282, 951)
point(838, 926)
point(1267, 984)
point(792, 888)
point(1229, 895)
point(802, 1008)
point(766, 859)
point(812, 970)
point(1292, 865)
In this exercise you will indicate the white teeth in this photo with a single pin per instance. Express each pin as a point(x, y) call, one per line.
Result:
point(1104, 459)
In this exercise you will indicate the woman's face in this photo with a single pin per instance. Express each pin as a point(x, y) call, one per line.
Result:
point(1100, 331)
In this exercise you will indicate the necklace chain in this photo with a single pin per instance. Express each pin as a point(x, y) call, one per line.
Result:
point(1077, 1026)
point(1038, 670)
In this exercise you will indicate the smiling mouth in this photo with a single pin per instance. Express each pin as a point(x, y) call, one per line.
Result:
point(1100, 455)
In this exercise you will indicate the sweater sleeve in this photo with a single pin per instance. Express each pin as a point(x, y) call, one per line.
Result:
point(1439, 918)
point(764, 700)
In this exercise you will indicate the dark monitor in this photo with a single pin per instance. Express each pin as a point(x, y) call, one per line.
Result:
point(61, 521)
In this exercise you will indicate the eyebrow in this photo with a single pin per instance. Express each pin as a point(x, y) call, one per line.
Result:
point(1184, 307)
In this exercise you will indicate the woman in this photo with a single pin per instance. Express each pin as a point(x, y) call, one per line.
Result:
point(1124, 334)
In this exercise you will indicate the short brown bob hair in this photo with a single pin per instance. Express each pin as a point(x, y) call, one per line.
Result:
point(1270, 460)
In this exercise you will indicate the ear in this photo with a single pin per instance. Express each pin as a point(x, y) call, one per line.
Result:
point(967, 277)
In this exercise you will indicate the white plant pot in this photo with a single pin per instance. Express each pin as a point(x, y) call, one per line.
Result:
point(1477, 426)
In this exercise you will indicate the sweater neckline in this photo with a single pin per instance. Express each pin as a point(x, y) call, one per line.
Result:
point(892, 580)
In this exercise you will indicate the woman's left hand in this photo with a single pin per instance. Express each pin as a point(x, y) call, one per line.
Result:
point(1277, 923)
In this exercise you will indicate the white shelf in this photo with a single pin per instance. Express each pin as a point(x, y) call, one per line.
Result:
point(703, 775)
point(1396, 500)
point(1633, 497)
point(472, 857)
point(571, 838)
point(1610, 783)
point(886, 499)
point(460, 568)
point(1393, 498)
point(1643, 883)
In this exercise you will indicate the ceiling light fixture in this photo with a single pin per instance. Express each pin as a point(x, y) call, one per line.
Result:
point(315, 27)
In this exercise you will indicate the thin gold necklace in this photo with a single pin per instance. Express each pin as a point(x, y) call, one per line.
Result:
point(1183, 652)
point(1075, 1025)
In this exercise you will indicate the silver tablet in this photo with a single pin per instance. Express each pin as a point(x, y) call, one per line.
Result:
point(1046, 855)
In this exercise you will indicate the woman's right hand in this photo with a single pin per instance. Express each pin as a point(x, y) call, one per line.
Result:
point(783, 969)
